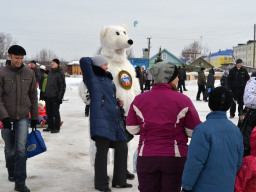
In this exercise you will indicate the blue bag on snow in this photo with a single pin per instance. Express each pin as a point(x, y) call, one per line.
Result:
point(35, 144)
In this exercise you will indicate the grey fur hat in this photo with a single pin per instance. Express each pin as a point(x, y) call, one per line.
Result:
point(99, 60)
point(164, 72)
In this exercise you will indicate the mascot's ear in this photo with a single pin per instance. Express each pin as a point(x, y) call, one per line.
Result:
point(154, 70)
point(124, 26)
point(104, 31)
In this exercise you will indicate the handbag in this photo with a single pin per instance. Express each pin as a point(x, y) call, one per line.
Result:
point(123, 119)
point(35, 144)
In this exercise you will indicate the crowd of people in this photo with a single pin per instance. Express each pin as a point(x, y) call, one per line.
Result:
point(220, 156)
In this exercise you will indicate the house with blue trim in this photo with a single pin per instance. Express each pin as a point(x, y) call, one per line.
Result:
point(166, 56)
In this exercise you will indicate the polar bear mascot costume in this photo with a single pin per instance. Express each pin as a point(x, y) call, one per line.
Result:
point(114, 42)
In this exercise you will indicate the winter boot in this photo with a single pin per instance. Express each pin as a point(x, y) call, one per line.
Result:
point(42, 123)
point(21, 188)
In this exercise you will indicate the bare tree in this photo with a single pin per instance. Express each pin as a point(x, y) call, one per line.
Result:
point(45, 56)
point(193, 51)
point(130, 53)
point(6, 41)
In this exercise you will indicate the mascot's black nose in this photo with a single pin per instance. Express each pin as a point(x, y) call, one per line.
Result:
point(130, 41)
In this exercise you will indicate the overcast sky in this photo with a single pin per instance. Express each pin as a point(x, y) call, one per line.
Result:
point(71, 28)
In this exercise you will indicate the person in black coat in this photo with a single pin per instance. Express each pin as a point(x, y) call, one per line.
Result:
point(209, 84)
point(181, 79)
point(184, 77)
point(54, 93)
point(36, 70)
point(237, 78)
point(224, 80)
point(139, 75)
point(201, 83)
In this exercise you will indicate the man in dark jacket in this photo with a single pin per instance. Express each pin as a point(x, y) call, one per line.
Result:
point(209, 84)
point(184, 77)
point(224, 79)
point(201, 83)
point(237, 78)
point(18, 97)
point(54, 93)
point(181, 79)
point(36, 70)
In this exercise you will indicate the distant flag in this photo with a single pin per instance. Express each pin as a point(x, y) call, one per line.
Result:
point(135, 23)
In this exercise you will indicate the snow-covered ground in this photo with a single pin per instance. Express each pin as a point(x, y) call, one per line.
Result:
point(65, 167)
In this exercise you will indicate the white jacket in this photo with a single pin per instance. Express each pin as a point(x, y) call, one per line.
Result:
point(84, 93)
point(250, 93)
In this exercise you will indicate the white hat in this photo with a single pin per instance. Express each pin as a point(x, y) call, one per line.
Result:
point(42, 67)
point(41, 102)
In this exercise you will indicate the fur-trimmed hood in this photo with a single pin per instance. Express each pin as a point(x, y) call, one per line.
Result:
point(100, 72)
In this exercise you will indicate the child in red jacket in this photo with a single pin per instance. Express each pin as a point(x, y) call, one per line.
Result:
point(246, 177)
point(42, 116)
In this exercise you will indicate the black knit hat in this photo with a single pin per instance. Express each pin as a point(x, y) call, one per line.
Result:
point(239, 61)
point(33, 61)
point(202, 68)
point(220, 99)
point(175, 74)
point(16, 50)
point(56, 61)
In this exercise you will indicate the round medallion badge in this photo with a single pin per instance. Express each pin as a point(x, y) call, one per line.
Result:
point(125, 79)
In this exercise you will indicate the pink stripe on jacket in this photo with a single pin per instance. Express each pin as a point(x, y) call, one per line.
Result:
point(164, 119)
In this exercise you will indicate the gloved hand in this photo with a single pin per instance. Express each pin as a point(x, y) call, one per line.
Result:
point(7, 123)
point(59, 101)
point(33, 123)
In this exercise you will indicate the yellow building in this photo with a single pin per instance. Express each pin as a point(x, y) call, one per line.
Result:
point(220, 57)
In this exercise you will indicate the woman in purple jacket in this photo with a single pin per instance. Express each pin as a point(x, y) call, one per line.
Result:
point(164, 119)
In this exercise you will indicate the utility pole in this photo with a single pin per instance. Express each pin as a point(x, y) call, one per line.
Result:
point(149, 38)
point(254, 46)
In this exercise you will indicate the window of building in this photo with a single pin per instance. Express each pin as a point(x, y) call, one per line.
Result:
point(164, 56)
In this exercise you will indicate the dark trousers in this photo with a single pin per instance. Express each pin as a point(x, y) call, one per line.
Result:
point(180, 83)
point(201, 89)
point(147, 85)
point(53, 113)
point(184, 85)
point(141, 88)
point(87, 110)
point(240, 102)
point(160, 174)
point(41, 97)
point(15, 149)
point(120, 162)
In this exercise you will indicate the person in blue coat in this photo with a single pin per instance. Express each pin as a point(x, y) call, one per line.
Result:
point(215, 153)
point(106, 126)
